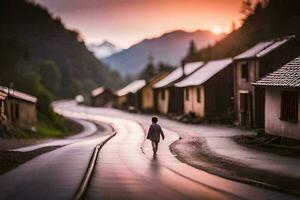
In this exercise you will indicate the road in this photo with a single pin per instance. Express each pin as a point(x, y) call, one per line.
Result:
point(55, 175)
point(127, 169)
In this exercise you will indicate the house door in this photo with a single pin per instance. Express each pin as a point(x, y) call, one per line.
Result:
point(245, 109)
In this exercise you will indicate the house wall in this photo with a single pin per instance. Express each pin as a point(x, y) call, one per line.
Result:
point(176, 105)
point(20, 112)
point(192, 105)
point(162, 104)
point(148, 101)
point(121, 101)
point(244, 85)
point(27, 114)
point(147, 98)
point(104, 99)
point(219, 94)
point(273, 125)
point(257, 69)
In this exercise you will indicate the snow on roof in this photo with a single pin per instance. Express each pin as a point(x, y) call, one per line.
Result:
point(19, 95)
point(177, 73)
point(272, 47)
point(98, 91)
point(254, 50)
point(133, 87)
point(263, 48)
point(191, 67)
point(204, 73)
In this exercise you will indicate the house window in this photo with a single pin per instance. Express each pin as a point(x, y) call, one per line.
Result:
point(289, 106)
point(163, 95)
point(187, 94)
point(198, 95)
point(245, 71)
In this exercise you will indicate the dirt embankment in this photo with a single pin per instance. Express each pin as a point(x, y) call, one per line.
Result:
point(195, 152)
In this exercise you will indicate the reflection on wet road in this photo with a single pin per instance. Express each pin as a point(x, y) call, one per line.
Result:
point(123, 171)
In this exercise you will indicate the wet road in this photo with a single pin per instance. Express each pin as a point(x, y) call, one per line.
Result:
point(124, 170)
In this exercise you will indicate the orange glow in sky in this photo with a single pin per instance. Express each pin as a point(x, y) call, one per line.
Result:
point(125, 22)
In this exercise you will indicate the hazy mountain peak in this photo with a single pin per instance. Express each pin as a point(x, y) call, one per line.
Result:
point(103, 49)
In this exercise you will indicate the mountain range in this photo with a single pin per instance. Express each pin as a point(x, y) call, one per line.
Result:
point(168, 48)
point(103, 49)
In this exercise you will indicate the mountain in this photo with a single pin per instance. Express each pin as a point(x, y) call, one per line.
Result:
point(104, 49)
point(44, 37)
point(168, 48)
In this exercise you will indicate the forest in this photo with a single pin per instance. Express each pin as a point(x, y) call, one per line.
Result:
point(39, 56)
point(264, 20)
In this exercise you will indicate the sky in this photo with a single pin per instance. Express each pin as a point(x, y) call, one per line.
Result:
point(126, 22)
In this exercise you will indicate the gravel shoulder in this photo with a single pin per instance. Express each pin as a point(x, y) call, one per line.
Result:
point(195, 152)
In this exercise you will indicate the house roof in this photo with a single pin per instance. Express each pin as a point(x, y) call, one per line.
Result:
point(2, 96)
point(286, 76)
point(18, 95)
point(178, 73)
point(132, 87)
point(97, 91)
point(204, 73)
point(263, 48)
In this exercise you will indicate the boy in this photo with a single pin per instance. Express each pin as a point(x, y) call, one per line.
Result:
point(154, 134)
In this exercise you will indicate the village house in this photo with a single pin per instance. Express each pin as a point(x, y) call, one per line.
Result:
point(3, 96)
point(102, 97)
point(208, 92)
point(282, 102)
point(252, 65)
point(169, 99)
point(130, 96)
point(147, 92)
point(19, 108)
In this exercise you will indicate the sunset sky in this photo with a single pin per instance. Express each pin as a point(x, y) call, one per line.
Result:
point(125, 22)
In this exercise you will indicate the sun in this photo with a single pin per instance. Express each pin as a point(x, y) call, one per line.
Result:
point(217, 30)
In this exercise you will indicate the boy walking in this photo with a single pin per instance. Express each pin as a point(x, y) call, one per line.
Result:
point(154, 134)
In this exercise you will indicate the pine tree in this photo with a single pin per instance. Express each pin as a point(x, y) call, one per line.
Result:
point(192, 49)
point(150, 69)
point(247, 8)
point(233, 26)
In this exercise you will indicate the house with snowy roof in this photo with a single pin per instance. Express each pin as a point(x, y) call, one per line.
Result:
point(169, 99)
point(252, 65)
point(282, 102)
point(208, 92)
point(129, 97)
point(19, 108)
point(102, 97)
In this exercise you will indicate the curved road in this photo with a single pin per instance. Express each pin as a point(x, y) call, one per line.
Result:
point(127, 169)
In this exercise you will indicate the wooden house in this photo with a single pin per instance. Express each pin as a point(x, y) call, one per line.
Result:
point(19, 108)
point(169, 99)
point(102, 97)
point(252, 65)
point(3, 96)
point(147, 92)
point(282, 100)
point(130, 96)
point(208, 91)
